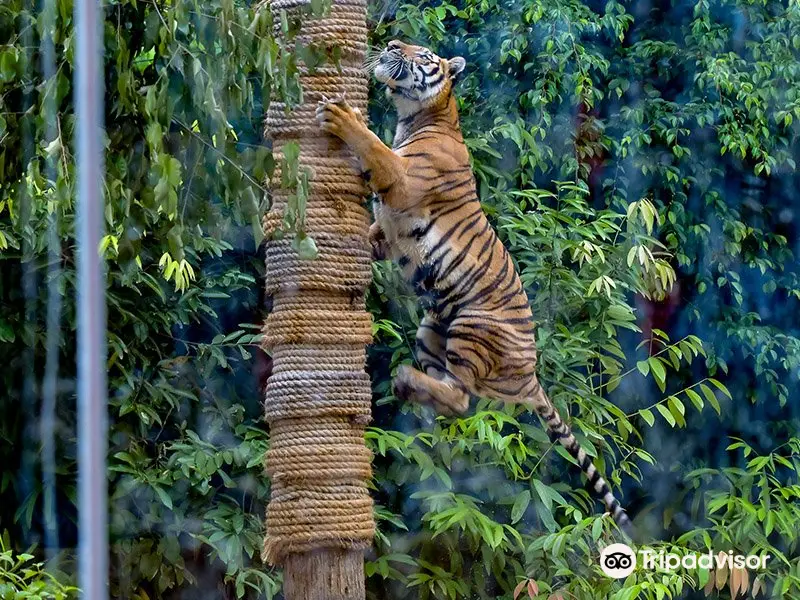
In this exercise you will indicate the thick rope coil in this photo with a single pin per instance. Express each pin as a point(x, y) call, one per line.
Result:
point(338, 356)
point(318, 397)
point(337, 268)
point(345, 27)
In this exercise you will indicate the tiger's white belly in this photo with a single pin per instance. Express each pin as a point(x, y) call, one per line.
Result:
point(412, 252)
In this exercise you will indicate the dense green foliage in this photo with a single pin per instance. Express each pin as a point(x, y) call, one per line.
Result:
point(589, 126)
point(185, 171)
point(22, 578)
point(630, 156)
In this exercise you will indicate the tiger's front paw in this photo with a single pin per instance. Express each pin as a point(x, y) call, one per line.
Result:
point(338, 118)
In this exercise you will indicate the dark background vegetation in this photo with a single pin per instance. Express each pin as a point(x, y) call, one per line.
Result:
point(637, 158)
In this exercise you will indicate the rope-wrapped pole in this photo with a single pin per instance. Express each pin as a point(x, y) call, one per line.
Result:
point(319, 519)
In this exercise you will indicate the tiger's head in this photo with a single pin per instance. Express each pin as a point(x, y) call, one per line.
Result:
point(416, 76)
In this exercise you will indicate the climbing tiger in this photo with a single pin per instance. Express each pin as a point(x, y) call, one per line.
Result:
point(477, 336)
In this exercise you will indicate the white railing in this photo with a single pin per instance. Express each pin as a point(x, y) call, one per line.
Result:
point(92, 387)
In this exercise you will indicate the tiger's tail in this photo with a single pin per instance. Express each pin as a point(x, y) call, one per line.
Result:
point(562, 433)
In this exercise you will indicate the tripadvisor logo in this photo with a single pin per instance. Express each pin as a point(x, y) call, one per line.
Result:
point(619, 560)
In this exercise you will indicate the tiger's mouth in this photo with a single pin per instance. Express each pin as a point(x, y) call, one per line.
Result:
point(393, 69)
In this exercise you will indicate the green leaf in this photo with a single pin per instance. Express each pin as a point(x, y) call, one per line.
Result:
point(546, 515)
point(520, 506)
point(163, 496)
point(675, 403)
point(8, 64)
point(666, 414)
point(305, 247)
point(597, 528)
point(542, 491)
point(695, 398)
point(711, 398)
point(658, 370)
point(720, 387)
point(677, 410)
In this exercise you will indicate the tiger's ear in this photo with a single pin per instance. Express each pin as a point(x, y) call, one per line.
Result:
point(455, 66)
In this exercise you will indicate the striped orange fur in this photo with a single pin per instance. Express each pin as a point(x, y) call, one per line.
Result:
point(477, 336)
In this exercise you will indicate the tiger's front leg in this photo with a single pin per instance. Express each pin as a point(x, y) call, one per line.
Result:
point(382, 167)
point(378, 242)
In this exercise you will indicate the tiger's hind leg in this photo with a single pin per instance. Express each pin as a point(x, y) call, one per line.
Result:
point(447, 395)
point(453, 365)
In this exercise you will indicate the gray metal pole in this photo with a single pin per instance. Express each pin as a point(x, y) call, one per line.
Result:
point(92, 392)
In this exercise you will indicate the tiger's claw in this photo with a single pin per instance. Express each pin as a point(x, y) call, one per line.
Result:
point(338, 118)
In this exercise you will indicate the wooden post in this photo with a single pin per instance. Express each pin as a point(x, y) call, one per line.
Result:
point(318, 399)
point(326, 574)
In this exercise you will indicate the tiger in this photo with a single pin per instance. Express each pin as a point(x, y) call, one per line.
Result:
point(477, 334)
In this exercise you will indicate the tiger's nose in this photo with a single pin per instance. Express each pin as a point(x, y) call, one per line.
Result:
point(395, 45)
